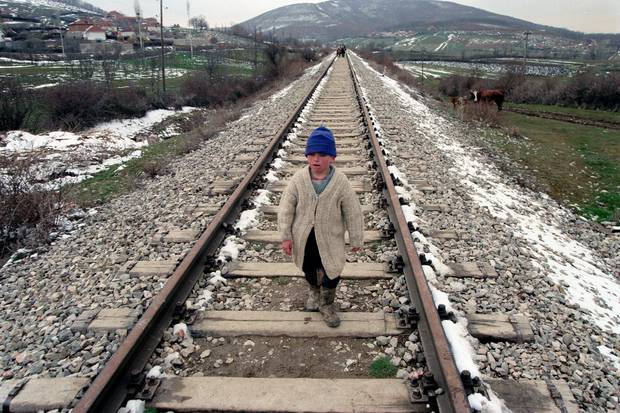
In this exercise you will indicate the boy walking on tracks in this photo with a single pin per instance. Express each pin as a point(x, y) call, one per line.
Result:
point(317, 206)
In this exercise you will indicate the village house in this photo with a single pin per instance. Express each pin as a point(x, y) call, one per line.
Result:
point(151, 24)
point(95, 33)
point(115, 15)
point(76, 29)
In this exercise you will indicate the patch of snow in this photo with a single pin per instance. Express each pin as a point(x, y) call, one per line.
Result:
point(59, 150)
point(181, 330)
point(281, 93)
point(128, 128)
point(231, 249)
point(133, 406)
point(610, 354)
point(155, 373)
point(216, 279)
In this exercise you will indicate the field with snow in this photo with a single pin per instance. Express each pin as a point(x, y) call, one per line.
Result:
point(62, 157)
point(462, 45)
point(41, 74)
point(439, 69)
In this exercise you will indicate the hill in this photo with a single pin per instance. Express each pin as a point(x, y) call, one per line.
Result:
point(430, 29)
point(42, 10)
point(334, 19)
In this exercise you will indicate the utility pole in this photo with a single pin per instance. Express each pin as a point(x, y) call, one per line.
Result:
point(189, 23)
point(161, 32)
point(527, 36)
point(138, 10)
point(62, 40)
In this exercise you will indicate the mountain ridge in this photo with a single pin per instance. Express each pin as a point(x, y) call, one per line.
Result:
point(36, 10)
point(333, 19)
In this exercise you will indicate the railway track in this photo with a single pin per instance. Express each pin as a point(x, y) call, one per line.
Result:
point(434, 384)
point(249, 346)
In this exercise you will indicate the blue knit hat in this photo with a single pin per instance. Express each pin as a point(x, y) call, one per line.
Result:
point(321, 140)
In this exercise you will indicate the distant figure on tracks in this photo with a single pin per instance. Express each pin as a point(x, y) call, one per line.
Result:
point(317, 206)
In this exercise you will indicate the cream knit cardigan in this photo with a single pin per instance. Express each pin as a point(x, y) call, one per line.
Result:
point(337, 208)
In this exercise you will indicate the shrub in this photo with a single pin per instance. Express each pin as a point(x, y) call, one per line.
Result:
point(274, 56)
point(481, 112)
point(189, 143)
point(25, 210)
point(309, 54)
point(15, 105)
point(155, 167)
point(201, 90)
point(129, 102)
point(404, 76)
point(75, 105)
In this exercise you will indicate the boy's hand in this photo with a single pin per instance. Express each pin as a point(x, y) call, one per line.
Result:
point(287, 247)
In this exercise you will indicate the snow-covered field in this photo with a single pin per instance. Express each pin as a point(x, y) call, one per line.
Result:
point(72, 157)
point(438, 68)
point(53, 73)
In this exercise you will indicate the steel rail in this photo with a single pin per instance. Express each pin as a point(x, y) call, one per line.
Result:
point(110, 387)
point(434, 342)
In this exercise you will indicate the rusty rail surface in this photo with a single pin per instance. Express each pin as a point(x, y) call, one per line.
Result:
point(434, 341)
point(110, 387)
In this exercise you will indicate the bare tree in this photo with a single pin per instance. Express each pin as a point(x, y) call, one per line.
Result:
point(199, 23)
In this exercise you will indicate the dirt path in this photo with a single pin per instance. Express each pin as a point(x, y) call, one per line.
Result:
point(566, 118)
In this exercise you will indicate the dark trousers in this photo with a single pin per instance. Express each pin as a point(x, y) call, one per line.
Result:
point(312, 264)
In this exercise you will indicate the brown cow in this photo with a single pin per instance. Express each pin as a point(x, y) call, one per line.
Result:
point(489, 95)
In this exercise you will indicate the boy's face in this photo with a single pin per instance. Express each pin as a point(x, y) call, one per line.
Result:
point(319, 162)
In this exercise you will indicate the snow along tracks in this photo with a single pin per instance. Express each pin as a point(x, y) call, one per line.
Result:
point(337, 106)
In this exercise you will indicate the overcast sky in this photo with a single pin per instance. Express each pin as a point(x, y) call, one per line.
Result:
point(582, 15)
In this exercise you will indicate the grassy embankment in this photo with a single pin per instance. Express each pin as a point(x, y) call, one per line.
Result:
point(580, 165)
point(107, 184)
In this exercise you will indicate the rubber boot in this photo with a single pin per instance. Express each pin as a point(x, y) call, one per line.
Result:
point(314, 293)
point(327, 307)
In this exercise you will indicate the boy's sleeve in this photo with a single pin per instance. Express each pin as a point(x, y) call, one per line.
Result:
point(286, 211)
point(354, 219)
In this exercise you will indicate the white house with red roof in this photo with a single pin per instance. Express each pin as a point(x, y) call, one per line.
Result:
point(95, 33)
point(76, 29)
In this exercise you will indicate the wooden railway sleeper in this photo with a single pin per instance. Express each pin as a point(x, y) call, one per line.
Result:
point(6, 405)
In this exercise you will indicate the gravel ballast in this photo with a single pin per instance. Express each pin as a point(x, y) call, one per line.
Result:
point(41, 295)
point(556, 268)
